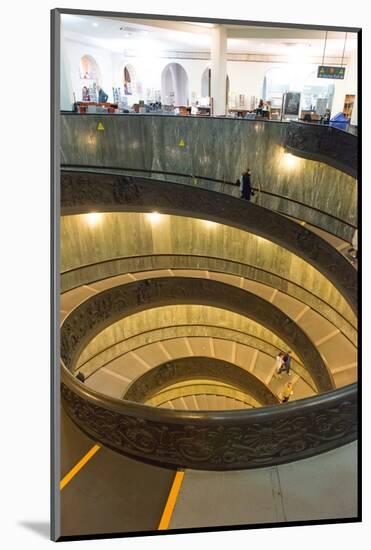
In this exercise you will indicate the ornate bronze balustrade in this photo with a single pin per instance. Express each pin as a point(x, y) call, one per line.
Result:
point(227, 440)
point(196, 368)
point(202, 440)
point(325, 144)
point(104, 308)
point(84, 192)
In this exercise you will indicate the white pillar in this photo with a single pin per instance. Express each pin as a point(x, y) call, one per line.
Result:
point(219, 69)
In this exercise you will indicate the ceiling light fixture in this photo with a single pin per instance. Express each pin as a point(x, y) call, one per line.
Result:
point(95, 24)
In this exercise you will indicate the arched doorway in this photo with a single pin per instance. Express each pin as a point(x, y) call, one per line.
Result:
point(90, 69)
point(175, 85)
point(91, 77)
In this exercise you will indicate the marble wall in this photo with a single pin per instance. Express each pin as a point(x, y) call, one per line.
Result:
point(165, 318)
point(119, 235)
point(195, 324)
point(217, 148)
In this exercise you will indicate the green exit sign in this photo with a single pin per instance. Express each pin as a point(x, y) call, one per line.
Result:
point(324, 71)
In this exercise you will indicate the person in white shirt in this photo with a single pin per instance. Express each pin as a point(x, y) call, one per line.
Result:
point(279, 361)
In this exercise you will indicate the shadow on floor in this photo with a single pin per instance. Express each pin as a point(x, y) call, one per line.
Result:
point(41, 528)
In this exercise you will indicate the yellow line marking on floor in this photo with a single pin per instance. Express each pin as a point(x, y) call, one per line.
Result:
point(171, 501)
point(71, 474)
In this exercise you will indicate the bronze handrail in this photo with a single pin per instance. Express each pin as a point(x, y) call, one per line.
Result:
point(203, 440)
point(112, 193)
point(217, 440)
point(84, 167)
point(324, 143)
point(102, 309)
point(222, 440)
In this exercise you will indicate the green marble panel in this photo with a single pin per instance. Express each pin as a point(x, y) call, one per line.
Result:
point(131, 234)
point(216, 148)
point(127, 335)
point(108, 269)
point(168, 316)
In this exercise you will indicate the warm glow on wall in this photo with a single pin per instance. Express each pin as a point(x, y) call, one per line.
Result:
point(209, 224)
point(93, 218)
point(154, 217)
point(290, 160)
point(91, 140)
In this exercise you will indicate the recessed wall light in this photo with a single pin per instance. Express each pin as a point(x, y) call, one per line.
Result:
point(209, 224)
point(95, 24)
point(93, 218)
point(154, 217)
point(290, 160)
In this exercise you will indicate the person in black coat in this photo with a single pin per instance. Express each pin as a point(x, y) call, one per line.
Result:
point(245, 185)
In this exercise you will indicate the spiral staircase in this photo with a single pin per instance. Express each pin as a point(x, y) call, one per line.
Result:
point(176, 297)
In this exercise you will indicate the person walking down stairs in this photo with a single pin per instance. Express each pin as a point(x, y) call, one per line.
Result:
point(287, 392)
point(286, 364)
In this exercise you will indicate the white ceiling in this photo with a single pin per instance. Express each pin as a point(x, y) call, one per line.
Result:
point(159, 36)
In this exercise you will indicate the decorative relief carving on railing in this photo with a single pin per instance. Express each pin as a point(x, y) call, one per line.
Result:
point(324, 143)
point(194, 368)
point(104, 308)
point(204, 440)
point(83, 192)
point(216, 441)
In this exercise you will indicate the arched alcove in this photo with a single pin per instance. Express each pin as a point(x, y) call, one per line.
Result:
point(175, 85)
point(91, 78)
point(89, 69)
